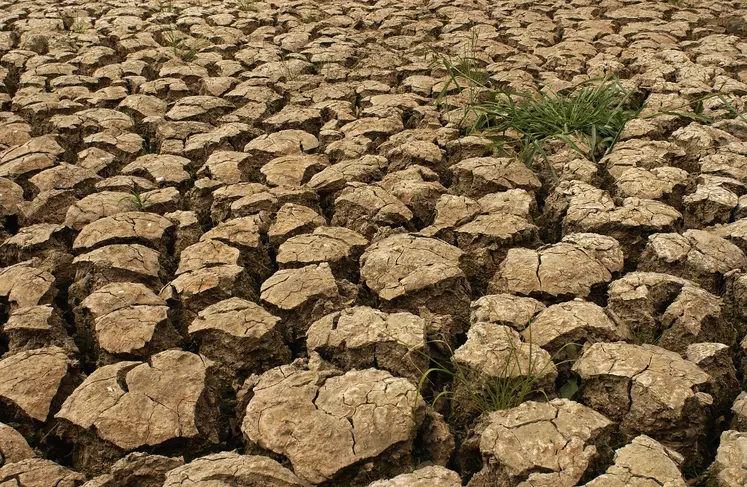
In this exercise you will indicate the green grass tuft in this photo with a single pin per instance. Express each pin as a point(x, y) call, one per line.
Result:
point(515, 384)
point(138, 199)
point(246, 5)
point(589, 117)
point(180, 46)
point(80, 26)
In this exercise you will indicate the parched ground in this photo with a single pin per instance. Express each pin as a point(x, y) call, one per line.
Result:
point(235, 235)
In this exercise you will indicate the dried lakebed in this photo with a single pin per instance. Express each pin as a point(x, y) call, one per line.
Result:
point(254, 243)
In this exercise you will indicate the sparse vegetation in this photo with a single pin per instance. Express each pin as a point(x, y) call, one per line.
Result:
point(285, 68)
point(515, 384)
point(184, 48)
point(312, 17)
point(138, 198)
point(247, 5)
point(240, 241)
point(464, 69)
point(165, 6)
point(647, 336)
point(589, 116)
point(80, 25)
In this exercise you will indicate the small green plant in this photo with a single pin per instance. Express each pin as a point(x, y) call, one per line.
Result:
point(465, 70)
point(286, 68)
point(516, 382)
point(647, 335)
point(312, 17)
point(246, 5)
point(165, 6)
point(80, 25)
point(180, 45)
point(138, 199)
point(589, 117)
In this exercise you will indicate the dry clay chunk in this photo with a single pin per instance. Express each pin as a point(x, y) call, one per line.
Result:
point(30, 380)
point(143, 470)
point(585, 208)
point(658, 183)
point(209, 253)
point(505, 309)
point(715, 359)
point(668, 310)
point(409, 271)
point(228, 469)
point(11, 196)
point(135, 331)
point(35, 155)
point(366, 208)
point(476, 177)
point(34, 327)
point(337, 246)
point(40, 239)
point(246, 235)
point(735, 232)
point(542, 443)
point(498, 352)
point(324, 423)
point(240, 335)
point(362, 337)
point(560, 327)
point(644, 462)
point(112, 298)
point(38, 472)
point(572, 268)
point(125, 318)
point(452, 211)
point(129, 227)
point(292, 170)
point(730, 467)
point(133, 404)
point(99, 205)
point(13, 446)
point(425, 477)
point(22, 285)
point(712, 202)
point(700, 256)
point(648, 390)
point(200, 288)
point(364, 170)
point(117, 263)
point(292, 220)
point(302, 295)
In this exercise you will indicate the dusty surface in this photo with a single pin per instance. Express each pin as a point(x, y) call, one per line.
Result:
point(234, 236)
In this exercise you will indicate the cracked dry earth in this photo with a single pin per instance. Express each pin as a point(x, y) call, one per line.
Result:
point(230, 264)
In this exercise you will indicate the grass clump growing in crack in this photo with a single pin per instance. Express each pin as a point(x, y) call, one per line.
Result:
point(80, 25)
point(165, 6)
point(246, 5)
point(519, 379)
point(588, 117)
point(138, 199)
point(180, 46)
point(465, 70)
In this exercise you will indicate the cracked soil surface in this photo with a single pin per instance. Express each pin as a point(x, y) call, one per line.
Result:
point(234, 235)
